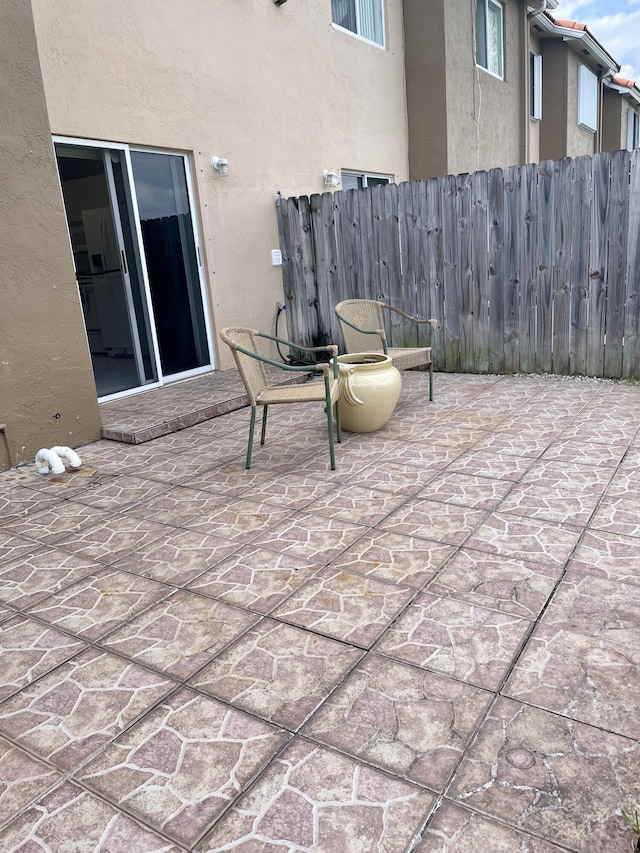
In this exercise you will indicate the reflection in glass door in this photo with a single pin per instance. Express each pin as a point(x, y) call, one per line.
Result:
point(137, 264)
point(172, 263)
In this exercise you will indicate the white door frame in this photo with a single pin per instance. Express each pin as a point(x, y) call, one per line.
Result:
point(126, 150)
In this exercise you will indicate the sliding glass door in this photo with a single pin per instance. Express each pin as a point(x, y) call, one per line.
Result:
point(138, 264)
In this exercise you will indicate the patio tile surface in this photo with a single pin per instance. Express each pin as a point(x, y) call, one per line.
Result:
point(434, 648)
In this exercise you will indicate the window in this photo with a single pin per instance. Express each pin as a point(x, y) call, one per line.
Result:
point(587, 98)
point(535, 83)
point(362, 17)
point(358, 180)
point(489, 37)
point(633, 129)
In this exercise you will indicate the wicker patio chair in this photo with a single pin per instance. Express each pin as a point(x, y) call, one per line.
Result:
point(361, 322)
point(251, 367)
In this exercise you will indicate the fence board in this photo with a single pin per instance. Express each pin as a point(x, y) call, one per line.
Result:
point(451, 262)
point(598, 265)
point(370, 279)
point(631, 348)
point(545, 249)
point(480, 273)
point(496, 272)
point(562, 266)
point(435, 267)
point(328, 288)
point(580, 229)
point(463, 280)
point(512, 270)
point(528, 274)
point(300, 292)
point(418, 303)
point(617, 224)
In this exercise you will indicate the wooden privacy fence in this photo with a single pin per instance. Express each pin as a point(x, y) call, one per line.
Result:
point(532, 269)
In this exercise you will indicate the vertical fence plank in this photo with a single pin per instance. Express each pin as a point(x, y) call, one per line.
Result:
point(418, 303)
point(408, 227)
point(480, 271)
point(545, 236)
point(463, 277)
point(580, 230)
point(496, 272)
point(598, 265)
point(300, 298)
point(328, 286)
point(617, 224)
point(435, 266)
point(528, 272)
point(562, 267)
point(512, 274)
point(370, 281)
point(451, 261)
point(631, 350)
point(348, 236)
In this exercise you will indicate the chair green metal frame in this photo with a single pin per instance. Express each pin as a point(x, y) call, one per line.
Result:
point(361, 322)
point(250, 363)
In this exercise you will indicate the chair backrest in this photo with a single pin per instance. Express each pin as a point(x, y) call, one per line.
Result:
point(366, 313)
point(251, 369)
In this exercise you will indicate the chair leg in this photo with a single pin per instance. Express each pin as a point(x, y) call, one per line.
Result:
point(264, 424)
point(431, 382)
point(252, 425)
point(329, 424)
point(336, 414)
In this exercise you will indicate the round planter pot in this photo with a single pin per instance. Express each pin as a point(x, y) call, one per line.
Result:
point(369, 390)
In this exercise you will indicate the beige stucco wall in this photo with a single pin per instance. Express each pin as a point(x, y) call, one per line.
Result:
point(579, 140)
point(47, 393)
point(554, 99)
point(426, 85)
point(279, 91)
point(484, 114)
point(614, 121)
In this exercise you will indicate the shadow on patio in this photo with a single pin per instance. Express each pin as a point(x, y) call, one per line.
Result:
point(433, 648)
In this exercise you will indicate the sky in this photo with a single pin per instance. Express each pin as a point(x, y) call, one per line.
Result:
point(614, 23)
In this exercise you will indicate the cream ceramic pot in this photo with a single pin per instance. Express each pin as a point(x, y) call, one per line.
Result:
point(369, 390)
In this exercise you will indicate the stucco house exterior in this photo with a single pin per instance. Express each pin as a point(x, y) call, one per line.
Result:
point(145, 143)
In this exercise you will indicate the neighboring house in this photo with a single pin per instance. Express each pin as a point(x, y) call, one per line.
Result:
point(145, 143)
point(576, 69)
point(621, 115)
point(473, 84)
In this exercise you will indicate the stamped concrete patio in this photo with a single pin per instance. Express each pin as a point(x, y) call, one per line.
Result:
point(434, 648)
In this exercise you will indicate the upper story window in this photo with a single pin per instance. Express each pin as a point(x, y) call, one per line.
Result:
point(490, 36)
point(363, 17)
point(535, 86)
point(358, 180)
point(587, 98)
point(633, 129)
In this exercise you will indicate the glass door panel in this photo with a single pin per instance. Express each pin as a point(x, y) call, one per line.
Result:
point(171, 260)
point(106, 291)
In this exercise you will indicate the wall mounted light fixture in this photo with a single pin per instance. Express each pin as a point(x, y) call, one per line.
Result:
point(331, 179)
point(221, 165)
point(279, 2)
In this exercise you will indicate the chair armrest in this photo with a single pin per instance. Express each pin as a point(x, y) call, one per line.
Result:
point(303, 368)
point(380, 332)
point(332, 348)
point(433, 323)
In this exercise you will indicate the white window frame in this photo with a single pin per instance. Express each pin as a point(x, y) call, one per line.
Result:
point(482, 38)
point(535, 106)
point(357, 33)
point(364, 177)
point(588, 86)
point(633, 129)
